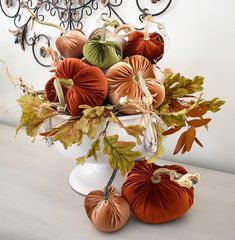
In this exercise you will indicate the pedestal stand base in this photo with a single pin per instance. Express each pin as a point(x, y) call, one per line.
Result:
point(93, 176)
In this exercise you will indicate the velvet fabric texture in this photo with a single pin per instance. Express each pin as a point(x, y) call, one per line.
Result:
point(156, 202)
point(122, 82)
point(71, 43)
point(102, 54)
point(89, 85)
point(107, 215)
point(152, 49)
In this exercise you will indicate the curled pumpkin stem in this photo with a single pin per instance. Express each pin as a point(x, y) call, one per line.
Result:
point(184, 180)
point(128, 29)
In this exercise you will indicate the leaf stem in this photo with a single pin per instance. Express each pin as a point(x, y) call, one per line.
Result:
point(106, 191)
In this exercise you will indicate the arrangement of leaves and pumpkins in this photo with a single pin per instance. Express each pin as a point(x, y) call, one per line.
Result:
point(98, 79)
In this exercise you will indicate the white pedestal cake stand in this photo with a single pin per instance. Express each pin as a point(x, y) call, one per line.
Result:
point(93, 174)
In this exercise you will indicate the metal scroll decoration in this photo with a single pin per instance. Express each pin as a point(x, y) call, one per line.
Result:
point(68, 14)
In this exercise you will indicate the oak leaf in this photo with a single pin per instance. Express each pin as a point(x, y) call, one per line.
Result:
point(120, 154)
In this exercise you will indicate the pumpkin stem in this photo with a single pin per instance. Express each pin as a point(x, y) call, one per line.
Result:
point(148, 96)
point(147, 21)
point(103, 37)
point(184, 180)
point(106, 190)
point(60, 94)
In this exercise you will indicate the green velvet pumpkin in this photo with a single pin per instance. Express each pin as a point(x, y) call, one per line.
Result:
point(102, 54)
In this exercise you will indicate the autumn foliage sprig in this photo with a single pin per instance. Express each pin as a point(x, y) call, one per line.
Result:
point(181, 110)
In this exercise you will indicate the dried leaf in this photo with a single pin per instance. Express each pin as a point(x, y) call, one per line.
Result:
point(160, 148)
point(177, 105)
point(180, 144)
point(171, 131)
point(184, 149)
point(197, 112)
point(174, 119)
point(68, 134)
point(212, 105)
point(34, 113)
point(120, 154)
point(199, 122)
point(136, 131)
point(95, 147)
point(189, 138)
point(198, 142)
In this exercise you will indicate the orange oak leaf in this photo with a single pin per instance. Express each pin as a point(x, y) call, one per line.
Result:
point(189, 138)
point(199, 122)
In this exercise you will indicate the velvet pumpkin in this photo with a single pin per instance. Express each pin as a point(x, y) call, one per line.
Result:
point(107, 214)
point(85, 85)
point(154, 197)
point(150, 46)
point(71, 43)
point(109, 36)
point(102, 53)
point(123, 81)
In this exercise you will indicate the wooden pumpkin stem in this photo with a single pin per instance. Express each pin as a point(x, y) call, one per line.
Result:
point(104, 31)
point(106, 191)
point(148, 96)
point(60, 94)
point(184, 180)
point(156, 178)
point(146, 27)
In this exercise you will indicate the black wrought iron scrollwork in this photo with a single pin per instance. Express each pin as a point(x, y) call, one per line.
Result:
point(68, 14)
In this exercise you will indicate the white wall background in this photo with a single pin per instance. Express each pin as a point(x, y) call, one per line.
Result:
point(202, 38)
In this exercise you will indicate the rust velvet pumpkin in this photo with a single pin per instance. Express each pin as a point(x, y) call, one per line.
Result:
point(109, 213)
point(71, 43)
point(153, 196)
point(150, 46)
point(82, 84)
point(123, 81)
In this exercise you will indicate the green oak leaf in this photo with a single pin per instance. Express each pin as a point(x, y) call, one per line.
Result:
point(120, 154)
point(95, 147)
point(175, 118)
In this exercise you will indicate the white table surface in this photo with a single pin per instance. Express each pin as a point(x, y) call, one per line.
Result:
point(37, 203)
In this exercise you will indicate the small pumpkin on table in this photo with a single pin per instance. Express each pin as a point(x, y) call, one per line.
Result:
point(107, 210)
point(158, 194)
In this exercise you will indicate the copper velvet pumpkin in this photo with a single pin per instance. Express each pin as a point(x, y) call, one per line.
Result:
point(89, 85)
point(122, 81)
point(109, 214)
point(71, 43)
point(151, 47)
point(154, 201)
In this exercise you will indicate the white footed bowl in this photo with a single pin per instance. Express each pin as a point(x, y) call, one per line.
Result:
point(93, 174)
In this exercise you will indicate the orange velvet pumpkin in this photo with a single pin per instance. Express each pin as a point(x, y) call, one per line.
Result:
point(89, 85)
point(151, 47)
point(109, 214)
point(156, 199)
point(71, 43)
point(123, 81)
